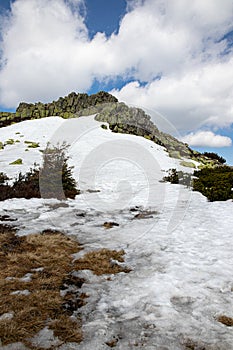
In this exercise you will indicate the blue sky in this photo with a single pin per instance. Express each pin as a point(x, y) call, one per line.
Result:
point(157, 54)
point(104, 15)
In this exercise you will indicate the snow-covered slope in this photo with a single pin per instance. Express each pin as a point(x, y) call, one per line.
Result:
point(38, 131)
point(84, 135)
point(180, 255)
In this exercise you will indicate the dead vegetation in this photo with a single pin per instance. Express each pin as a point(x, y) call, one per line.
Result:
point(110, 224)
point(34, 270)
point(67, 329)
point(145, 214)
point(46, 259)
point(227, 321)
point(112, 343)
point(103, 261)
point(6, 218)
point(190, 344)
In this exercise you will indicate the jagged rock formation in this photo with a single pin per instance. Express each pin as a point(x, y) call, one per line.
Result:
point(65, 107)
point(130, 120)
point(119, 116)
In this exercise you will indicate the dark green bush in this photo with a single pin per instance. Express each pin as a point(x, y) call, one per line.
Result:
point(103, 126)
point(3, 178)
point(178, 177)
point(215, 183)
point(172, 177)
point(215, 156)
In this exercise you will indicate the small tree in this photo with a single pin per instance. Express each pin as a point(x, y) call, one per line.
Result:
point(53, 180)
point(179, 177)
point(172, 177)
point(56, 179)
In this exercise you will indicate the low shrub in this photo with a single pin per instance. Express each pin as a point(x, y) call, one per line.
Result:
point(215, 156)
point(53, 180)
point(216, 183)
point(55, 175)
point(103, 126)
point(172, 177)
point(179, 177)
point(3, 178)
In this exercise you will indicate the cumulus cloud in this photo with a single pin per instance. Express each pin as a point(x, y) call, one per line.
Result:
point(207, 139)
point(37, 59)
point(201, 96)
point(172, 52)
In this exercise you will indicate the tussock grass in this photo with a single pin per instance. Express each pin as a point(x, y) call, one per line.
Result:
point(67, 329)
point(103, 261)
point(112, 343)
point(189, 344)
point(48, 258)
point(51, 251)
point(110, 224)
point(227, 321)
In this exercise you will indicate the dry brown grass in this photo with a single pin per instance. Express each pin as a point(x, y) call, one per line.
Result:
point(44, 305)
point(227, 321)
point(110, 224)
point(52, 252)
point(67, 330)
point(101, 262)
point(189, 344)
point(112, 343)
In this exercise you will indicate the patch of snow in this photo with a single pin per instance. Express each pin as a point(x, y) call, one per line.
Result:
point(26, 278)
point(45, 339)
point(10, 278)
point(7, 316)
point(21, 292)
point(39, 269)
point(37, 130)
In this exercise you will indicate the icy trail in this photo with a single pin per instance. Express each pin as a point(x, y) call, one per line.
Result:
point(181, 257)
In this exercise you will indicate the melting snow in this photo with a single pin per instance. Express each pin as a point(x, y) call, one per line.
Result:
point(21, 292)
point(181, 257)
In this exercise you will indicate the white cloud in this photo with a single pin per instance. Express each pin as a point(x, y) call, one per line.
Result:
point(37, 51)
point(201, 96)
point(207, 139)
point(46, 52)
